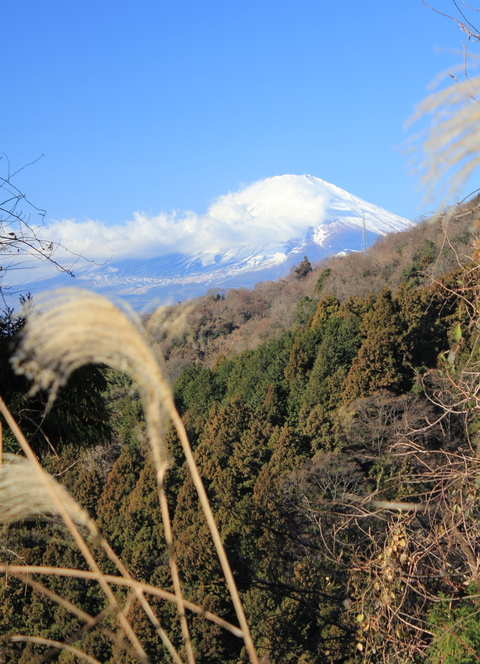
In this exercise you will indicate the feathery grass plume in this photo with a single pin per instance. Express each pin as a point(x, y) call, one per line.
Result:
point(451, 148)
point(24, 495)
point(168, 322)
point(74, 327)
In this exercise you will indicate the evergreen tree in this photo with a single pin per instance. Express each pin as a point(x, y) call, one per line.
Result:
point(303, 268)
point(380, 361)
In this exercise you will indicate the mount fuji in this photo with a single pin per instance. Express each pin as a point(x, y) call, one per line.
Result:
point(254, 234)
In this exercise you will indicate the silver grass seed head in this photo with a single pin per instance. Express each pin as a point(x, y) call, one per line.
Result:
point(450, 149)
point(70, 328)
point(74, 327)
point(23, 494)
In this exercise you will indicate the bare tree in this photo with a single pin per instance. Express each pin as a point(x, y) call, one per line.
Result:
point(463, 17)
point(22, 226)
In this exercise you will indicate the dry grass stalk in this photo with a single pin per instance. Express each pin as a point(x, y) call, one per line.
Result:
point(90, 621)
point(56, 644)
point(60, 509)
point(74, 328)
point(451, 146)
point(22, 495)
point(121, 581)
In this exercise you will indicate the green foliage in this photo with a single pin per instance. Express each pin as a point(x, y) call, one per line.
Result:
point(413, 274)
point(428, 252)
point(426, 318)
point(324, 274)
point(339, 346)
point(305, 309)
point(296, 438)
point(251, 373)
point(197, 388)
point(380, 360)
point(457, 629)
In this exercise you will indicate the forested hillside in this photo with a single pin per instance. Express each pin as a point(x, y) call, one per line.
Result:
point(334, 420)
point(225, 321)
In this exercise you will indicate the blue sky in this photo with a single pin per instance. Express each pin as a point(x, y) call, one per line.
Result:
point(160, 105)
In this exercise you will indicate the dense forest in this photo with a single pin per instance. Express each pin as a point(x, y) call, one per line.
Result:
point(334, 421)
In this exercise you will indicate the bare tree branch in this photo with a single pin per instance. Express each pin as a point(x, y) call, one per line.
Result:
point(22, 227)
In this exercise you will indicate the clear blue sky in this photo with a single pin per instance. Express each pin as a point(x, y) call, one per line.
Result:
point(161, 105)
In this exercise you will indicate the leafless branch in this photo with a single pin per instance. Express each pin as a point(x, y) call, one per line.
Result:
point(22, 223)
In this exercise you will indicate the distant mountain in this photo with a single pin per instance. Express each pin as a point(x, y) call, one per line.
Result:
point(336, 222)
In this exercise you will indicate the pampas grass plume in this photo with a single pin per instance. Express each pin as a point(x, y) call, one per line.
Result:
point(23, 494)
point(450, 147)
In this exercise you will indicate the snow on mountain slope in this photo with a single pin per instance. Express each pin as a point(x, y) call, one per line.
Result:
point(254, 234)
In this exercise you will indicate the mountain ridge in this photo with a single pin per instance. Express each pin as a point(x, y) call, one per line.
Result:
point(272, 224)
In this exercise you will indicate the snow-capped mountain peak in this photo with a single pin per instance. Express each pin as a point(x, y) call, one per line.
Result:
point(253, 234)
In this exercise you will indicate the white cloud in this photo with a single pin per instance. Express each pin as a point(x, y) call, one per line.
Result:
point(273, 210)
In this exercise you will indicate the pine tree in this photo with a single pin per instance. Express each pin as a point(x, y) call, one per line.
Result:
point(303, 268)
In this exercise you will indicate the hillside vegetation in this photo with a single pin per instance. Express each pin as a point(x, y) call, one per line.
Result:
point(333, 417)
point(225, 321)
